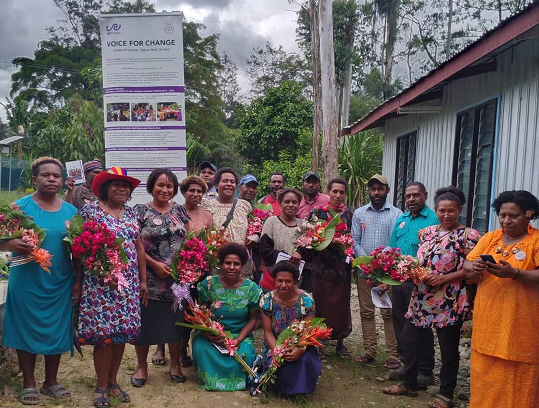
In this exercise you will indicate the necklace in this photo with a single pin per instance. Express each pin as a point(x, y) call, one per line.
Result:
point(116, 213)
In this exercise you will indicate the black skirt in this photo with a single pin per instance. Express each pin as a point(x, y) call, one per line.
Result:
point(158, 324)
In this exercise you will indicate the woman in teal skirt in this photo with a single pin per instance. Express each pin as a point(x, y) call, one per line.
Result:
point(38, 310)
point(234, 301)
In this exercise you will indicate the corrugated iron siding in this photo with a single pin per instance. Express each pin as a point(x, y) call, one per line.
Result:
point(516, 85)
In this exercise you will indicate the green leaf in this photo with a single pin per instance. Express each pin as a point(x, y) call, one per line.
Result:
point(264, 207)
point(363, 259)
point(388, 280)
point(328, 233)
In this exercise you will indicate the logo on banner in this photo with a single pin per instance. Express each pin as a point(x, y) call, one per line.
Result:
point(169, 27)
point(114, 29)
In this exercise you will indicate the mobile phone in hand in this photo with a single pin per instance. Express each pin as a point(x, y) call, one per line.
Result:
point(488, 258)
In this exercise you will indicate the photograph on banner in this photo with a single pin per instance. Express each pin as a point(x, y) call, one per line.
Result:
point(118, 112)
point(142, 112)
point(169, 111)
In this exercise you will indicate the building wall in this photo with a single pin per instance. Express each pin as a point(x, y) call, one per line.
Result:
point(516, 160)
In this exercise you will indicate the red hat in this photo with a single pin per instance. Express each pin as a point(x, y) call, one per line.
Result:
point(114, 173)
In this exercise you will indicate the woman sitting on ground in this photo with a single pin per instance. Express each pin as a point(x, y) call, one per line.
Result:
point(280, 307)
point(233, 300)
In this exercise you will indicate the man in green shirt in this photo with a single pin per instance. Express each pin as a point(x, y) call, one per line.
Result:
point(405, 236)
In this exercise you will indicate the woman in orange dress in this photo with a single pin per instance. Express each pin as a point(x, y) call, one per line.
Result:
point(505, 339)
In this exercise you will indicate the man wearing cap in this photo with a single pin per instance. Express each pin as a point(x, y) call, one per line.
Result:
point(372, 225)
point(82, 194)
point(248, 187)
point(276, 183)
point(312, 197)
point(207, 173)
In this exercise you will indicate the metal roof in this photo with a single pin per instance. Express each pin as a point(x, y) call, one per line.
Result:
point(504, 35)
point(10, 140)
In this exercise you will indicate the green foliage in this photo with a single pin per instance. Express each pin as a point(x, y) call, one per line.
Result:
point(273, 123)
point(293, 168)
point(360, 156)
point(73, 132)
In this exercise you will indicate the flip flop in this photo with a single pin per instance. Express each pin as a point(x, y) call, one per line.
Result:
point(27, 393)
point(392, 363)
point(55, 391)
point(399, 390)
point(364, 358)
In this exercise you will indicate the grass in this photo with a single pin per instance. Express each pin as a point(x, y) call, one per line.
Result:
point(11, 196)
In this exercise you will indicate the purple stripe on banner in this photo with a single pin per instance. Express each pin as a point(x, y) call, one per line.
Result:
point(151, 168)
point(107, 129)
point(144, 89)
point(142, 149)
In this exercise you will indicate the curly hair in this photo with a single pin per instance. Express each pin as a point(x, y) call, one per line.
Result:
point(233, 248)
point(43, 160)
point(186, 182)
point(154, 175)
point(285, 266)
point(337, 180)
point(450, 193)
point(284, 191)
point(222, 171)
point(524, 199)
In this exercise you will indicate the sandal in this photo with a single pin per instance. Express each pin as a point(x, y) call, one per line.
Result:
point(122, 395)
point(27, 393)
point(185, 360)
point(156, 359)
point(364, 358)
point(102, 401)
point(343, 352)
point(442, 402)
point(399, 390)
point(56, 391)
point(392, 363)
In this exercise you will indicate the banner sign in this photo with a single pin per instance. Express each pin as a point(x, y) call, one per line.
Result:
point(143, 95)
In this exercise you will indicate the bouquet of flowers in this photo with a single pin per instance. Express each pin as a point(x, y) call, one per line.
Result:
point(316, 234)
point(256, 220)
point(301, 333)
point(201, 318)
point(388, 265)
point(344, 240)
point(15, 224)
point(188, 266)
point(213, 239)
point(98, 249)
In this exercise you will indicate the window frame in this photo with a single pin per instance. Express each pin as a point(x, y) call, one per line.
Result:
point(470, 194)
point(406, 137)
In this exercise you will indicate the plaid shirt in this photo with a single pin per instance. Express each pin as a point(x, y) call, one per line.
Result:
point(372, 229)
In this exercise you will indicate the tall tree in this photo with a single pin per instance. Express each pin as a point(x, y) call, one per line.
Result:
point(228, 85)
point(330, 122)
point(315, 68)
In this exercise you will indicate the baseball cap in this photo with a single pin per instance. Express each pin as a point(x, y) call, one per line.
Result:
point(205, 164)
point(379, 178)
point(247, 179)
point(311, 174)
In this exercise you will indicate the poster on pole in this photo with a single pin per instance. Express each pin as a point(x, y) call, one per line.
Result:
point(143, 95)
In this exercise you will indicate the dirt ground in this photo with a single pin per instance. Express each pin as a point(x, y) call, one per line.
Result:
point(342, 383)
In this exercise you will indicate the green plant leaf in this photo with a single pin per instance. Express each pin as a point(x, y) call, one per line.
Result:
point(363, 259)
point(328, 233)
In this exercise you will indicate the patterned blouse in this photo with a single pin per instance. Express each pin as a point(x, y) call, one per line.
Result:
point(237, 229)
point(162, 235)
point(282, 316)
point(443, 253)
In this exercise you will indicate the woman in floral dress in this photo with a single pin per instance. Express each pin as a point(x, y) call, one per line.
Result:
point(109, 319)
point(440, 300)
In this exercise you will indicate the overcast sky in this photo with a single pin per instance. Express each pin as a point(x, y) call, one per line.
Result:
point(242, 25)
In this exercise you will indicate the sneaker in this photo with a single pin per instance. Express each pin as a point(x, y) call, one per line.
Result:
point(423, 381)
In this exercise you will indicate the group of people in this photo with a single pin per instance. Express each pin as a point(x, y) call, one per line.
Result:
point(251, 283)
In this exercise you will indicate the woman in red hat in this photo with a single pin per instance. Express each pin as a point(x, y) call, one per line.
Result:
point(109, 319)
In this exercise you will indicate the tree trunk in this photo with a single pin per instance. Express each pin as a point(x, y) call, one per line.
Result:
point(347, 83)
point(448, 39)
point(330, 124)
point(391, 38)
point(317, 92)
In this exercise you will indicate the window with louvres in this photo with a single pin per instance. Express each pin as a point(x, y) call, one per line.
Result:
point(472, 164)
point(405, 167)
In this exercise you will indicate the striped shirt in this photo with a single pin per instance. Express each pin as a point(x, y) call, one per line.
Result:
point(371, 228)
